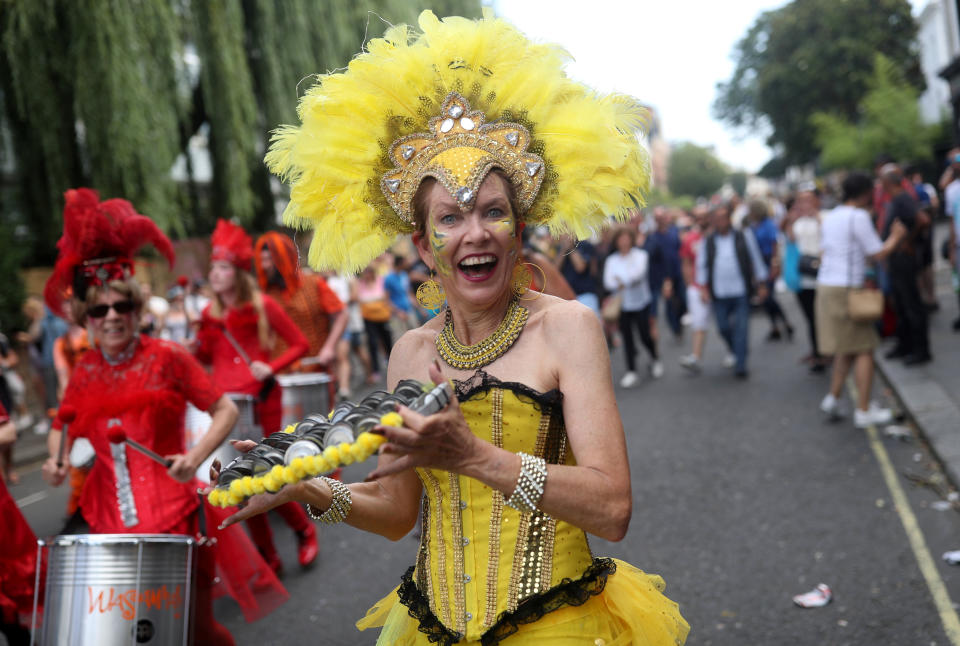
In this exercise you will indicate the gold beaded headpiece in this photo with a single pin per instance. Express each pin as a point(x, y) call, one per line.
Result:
point(458, 152)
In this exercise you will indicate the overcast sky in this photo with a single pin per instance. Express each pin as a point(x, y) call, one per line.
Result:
point(668, 53)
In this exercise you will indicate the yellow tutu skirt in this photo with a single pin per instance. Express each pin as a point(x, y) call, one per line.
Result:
point(631, 610)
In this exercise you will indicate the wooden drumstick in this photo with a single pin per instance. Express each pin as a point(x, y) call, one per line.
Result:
point(66, 414)
point(117, 435)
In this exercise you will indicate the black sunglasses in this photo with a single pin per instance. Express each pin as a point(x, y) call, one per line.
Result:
point(120, 307)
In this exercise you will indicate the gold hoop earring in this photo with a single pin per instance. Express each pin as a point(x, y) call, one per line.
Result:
point(523, 280)
point(430, 295)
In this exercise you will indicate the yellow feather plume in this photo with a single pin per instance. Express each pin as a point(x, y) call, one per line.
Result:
point(595, 164)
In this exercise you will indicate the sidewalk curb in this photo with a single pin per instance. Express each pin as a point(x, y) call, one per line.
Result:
point(936, 415)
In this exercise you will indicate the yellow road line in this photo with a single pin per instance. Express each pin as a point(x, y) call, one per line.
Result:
point(941, 598)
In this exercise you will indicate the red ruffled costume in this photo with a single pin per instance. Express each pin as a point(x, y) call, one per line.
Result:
point(18, 558)
point(232, 374)
point(146, 394)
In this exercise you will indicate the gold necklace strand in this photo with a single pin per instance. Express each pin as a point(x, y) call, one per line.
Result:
point(470, 357)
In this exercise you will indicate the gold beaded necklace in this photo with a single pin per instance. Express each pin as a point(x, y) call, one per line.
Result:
point(470, 357)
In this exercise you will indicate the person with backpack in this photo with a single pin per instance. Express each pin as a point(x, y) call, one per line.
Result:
point(730, 270)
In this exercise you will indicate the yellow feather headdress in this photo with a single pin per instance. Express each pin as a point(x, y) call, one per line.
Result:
point(371, 133)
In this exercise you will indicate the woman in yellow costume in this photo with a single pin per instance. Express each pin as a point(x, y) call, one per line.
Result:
point(462, 134)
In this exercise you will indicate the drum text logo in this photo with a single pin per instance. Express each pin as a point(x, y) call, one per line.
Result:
point(106, 599)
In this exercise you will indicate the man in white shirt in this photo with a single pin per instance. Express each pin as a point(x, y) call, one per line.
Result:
point(729, 269)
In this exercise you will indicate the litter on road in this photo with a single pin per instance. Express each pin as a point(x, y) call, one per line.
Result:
point(952, 557)
point(816, 598)
point(899, 432)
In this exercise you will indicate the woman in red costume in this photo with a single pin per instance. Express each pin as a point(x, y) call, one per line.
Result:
point(18, 559)
point(236, 336)
point(141, 385)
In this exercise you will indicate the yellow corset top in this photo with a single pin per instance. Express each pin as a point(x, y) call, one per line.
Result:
point(478, 557)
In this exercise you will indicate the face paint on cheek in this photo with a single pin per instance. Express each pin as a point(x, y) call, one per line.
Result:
point(438, 242)
point(506, 225)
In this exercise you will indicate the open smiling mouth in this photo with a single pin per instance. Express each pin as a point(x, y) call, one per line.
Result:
point(478, 267)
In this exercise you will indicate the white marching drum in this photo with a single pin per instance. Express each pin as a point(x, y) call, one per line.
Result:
point(197, 423)
point(247, 427)
point(122, 589)
point(304, 394)
point(82, 454)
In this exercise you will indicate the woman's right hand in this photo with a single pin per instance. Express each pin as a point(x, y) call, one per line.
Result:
point(52, 474)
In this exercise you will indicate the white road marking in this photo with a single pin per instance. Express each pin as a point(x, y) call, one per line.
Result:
point(32, 498)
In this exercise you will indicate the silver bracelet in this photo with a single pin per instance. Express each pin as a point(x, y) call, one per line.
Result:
point(529, 490)
point(340, 504)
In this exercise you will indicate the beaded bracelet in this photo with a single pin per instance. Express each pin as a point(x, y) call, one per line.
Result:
point(340, 504)
point(533, 476)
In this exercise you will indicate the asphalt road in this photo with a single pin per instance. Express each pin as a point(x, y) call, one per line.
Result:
point(743, 497)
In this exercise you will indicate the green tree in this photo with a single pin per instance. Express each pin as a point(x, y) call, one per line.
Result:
point(809, 56)
point(888, 122)
point(738, 182)
point(694, 171)
point(104, 93)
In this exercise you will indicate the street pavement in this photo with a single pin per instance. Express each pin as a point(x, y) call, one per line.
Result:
point(743, 497)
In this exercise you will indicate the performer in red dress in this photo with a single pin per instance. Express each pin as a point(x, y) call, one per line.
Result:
point(18, 558)
point(141, 385)
point(235, 338)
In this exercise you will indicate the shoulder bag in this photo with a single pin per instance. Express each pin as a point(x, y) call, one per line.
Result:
point(864, 304)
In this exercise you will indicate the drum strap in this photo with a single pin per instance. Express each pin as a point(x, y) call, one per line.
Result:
point(268, 383)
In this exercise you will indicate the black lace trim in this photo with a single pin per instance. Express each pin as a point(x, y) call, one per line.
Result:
point(481, 382)
point(419, 608)
point(567, 593)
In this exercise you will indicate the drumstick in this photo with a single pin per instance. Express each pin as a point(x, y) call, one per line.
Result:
point(66, 414)
point(117, 435)
point(309, 361)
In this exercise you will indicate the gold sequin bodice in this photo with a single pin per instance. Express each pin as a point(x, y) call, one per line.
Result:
point(478, 557)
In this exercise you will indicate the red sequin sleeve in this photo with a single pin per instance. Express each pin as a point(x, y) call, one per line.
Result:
point(193, 381)
point(4, 416)
point(283, 325)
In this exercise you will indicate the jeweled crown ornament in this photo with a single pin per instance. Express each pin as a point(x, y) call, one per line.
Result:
point(458, 152)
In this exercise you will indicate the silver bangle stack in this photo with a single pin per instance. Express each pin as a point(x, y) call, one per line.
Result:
point(340, 504)
point(529, 490)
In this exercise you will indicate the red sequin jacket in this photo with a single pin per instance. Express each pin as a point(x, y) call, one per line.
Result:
point(146, 395)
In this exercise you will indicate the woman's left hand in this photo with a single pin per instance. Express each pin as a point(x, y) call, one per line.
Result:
point(260, 370)
point(182, 469)
point(440, 441)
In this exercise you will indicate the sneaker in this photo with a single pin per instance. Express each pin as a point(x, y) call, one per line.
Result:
point(629, 380)
point(729, 361)
point(831, 407)
point(873, 416)
point(656, 369)
point(690, 362)
point(23, 422)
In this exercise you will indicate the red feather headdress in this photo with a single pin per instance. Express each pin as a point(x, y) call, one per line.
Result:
point(98, 243)
point(231, 243)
